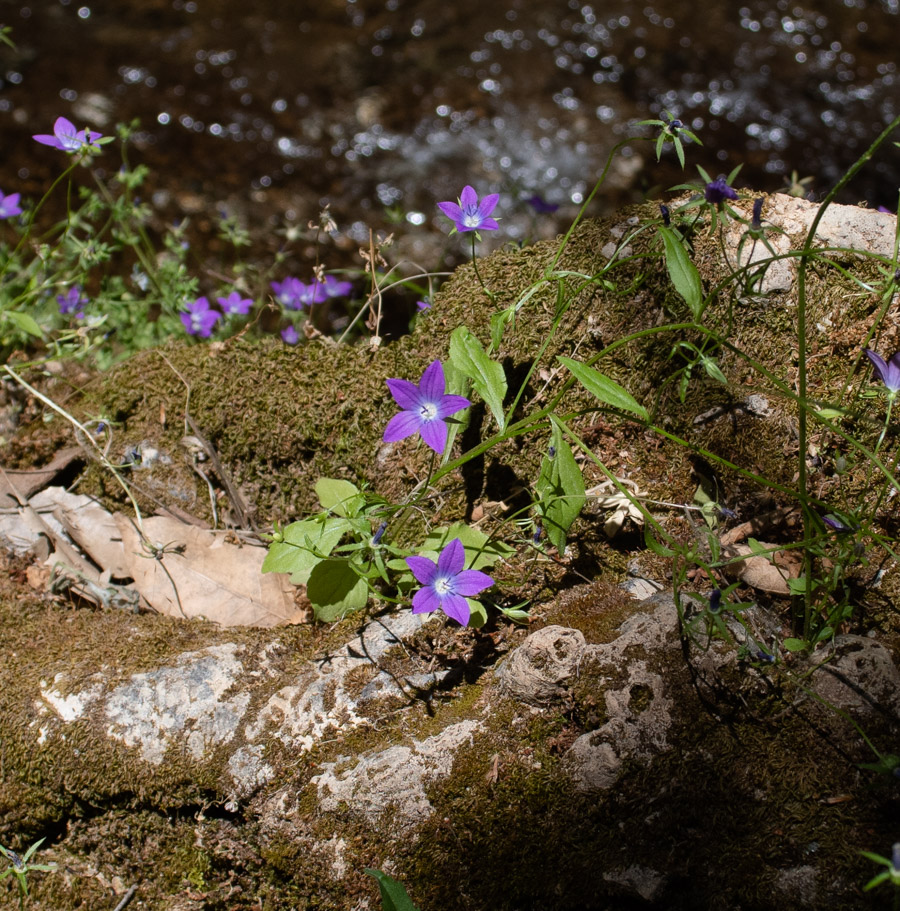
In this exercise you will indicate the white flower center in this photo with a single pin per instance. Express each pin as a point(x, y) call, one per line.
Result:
point(471, 218)
point(428, 411)
point(442, 586)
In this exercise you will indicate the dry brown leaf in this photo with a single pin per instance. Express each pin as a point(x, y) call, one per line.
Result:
point(206, 576)
point(760, 573)
point(95, 531)
point(18, 484)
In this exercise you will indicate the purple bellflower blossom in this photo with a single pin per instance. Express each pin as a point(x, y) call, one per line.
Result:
point(199, 318)
point(470, 214)
point(293, 294)
point(290, 336)
point(334, 287)
point(717, 191)
point(424, 305)
point(235, 305)
point(425, 408)
point(66, 138)
point(540, 205)
point(445, 584)
point(9, 205)
point(73, 302)
point(889, 371)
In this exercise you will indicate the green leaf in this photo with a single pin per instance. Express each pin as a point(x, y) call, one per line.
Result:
point(303, 545)
point(712, 369)
point(481, 552)
point(498, 325)
point(656, 546)
point(477, 615)
point(24, 322)
point(340, 497)
point(683, 272)
point(487, 376)
point(560, 488)
point(604, 389)
point(393, 894)
point(335, 590)
point(794, 645)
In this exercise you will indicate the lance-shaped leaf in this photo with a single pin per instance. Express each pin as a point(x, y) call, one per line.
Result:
point(560, 488)
point(487, 376)
point(607, 391)
point(683, 272)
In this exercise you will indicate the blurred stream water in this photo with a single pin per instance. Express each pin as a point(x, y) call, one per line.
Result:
point(380, 108)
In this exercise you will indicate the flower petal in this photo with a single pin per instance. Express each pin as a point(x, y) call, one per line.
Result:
point(434, 433)
point(472, 581)
point(488, 204)
point(488, 224)
point(405, 393)
point(62, 126)
point(468, 197)
point(450, 404)
point(452, 559)
point(425, 600)
point(450, 209)
point(423, 569)
point(878, 362)
point(456, 607)
point(401, 426)
point(432, 384)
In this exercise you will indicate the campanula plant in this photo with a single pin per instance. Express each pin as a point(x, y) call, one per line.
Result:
point(472, 214)
point(426, 408)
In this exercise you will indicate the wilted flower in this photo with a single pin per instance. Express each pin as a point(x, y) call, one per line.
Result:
point(470, 214)
point(66, 138)
point(717, 191)
point(235, 305)
point(425, 408)
point(9, 205)
point(889, 371)
point(199, 318)
point(666, 216)
point(445, 584)
point(72, 302)
point(290, 336)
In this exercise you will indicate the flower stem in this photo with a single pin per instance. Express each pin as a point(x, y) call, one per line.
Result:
point(491, 296)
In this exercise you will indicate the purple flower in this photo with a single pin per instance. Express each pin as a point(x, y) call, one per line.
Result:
point(717, 191)
point(66, 138)
point(422, 306)
point(888, 372)
point(9, 205)
point(756, 222)
point(293, 294)
point(72, 302)
point(199, 319)
point(471, 215)
point(445, 584)
point(235, 305)
point(425, 408)
point(540, 205)
point(335, 287)
point(290, 336)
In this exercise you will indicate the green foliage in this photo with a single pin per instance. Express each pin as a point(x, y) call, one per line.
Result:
point(394, 896)
point(488, 379)
point(605, 390)
point(683, 272)
point(21, 868)
point(560, 488)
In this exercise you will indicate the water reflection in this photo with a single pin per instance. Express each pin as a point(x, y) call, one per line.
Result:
point(381, 107)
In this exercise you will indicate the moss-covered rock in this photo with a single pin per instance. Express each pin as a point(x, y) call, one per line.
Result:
point(267, 768)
